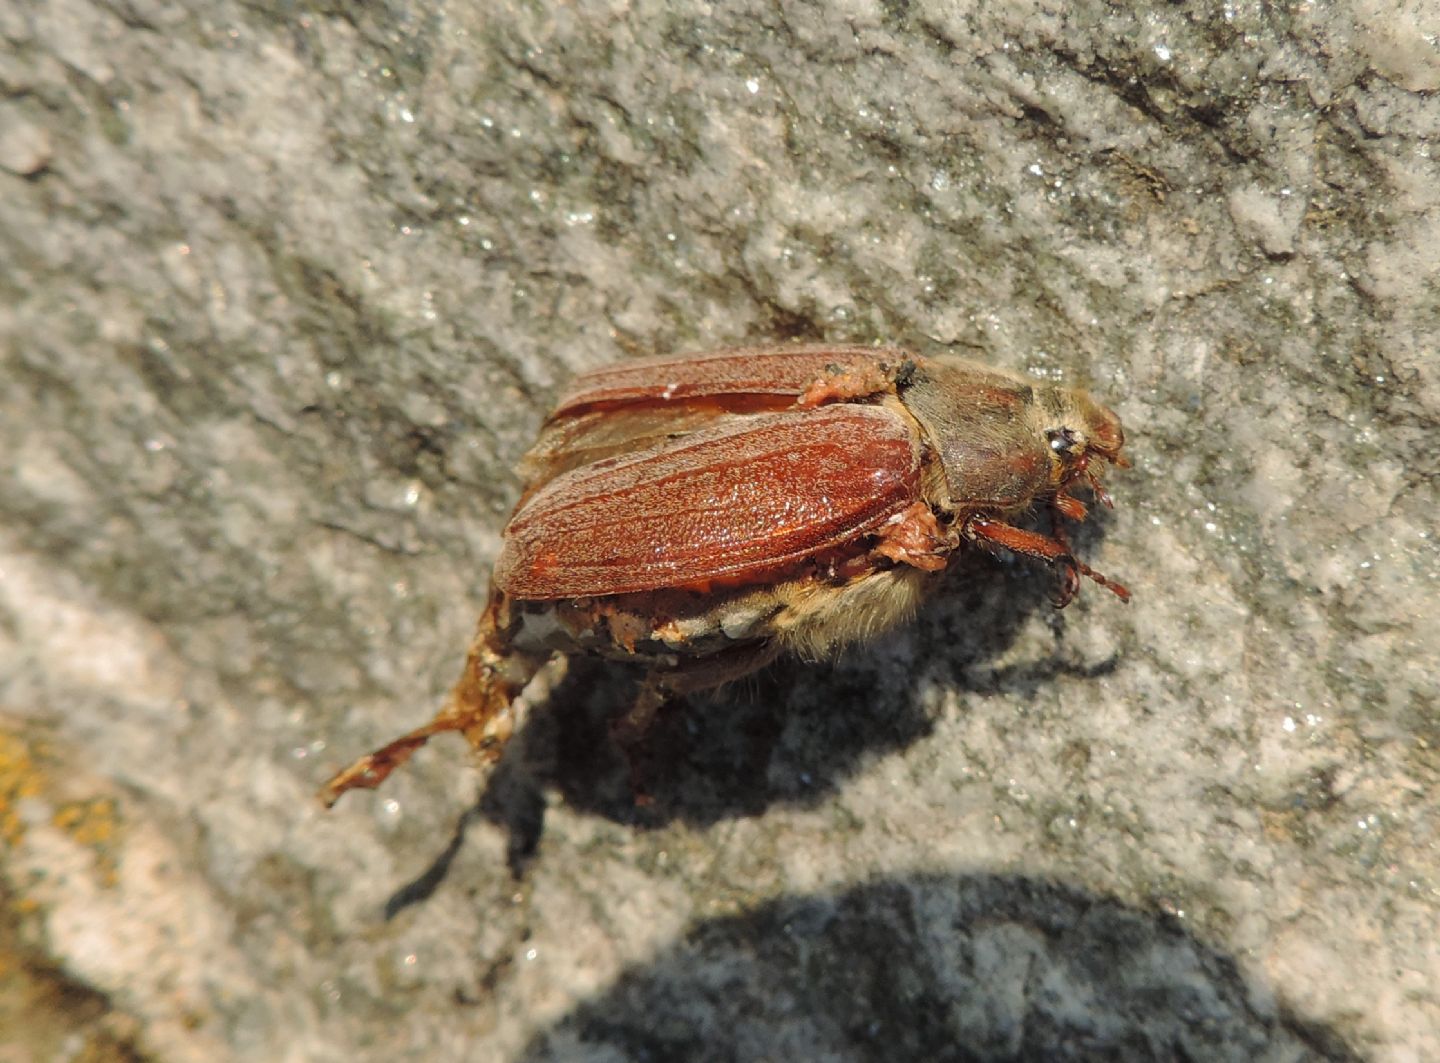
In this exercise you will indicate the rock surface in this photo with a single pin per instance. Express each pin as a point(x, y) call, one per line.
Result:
point(283, 297)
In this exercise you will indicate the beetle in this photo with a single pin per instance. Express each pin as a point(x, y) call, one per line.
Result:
point(704, 514)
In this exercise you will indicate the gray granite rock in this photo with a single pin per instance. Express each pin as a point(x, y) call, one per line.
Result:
point(284, 293)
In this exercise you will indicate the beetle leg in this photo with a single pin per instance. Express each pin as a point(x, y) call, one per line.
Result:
point(1061, 507)
point(1068, 506)
point(1101, 495)
point(1046, 548)
point(661, 686)
point(914, 536)
point(846, 385)
point(628, 732)
point(479, 706)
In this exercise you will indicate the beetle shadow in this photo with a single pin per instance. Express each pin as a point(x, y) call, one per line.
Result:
point(791, 734)
point(939, 967)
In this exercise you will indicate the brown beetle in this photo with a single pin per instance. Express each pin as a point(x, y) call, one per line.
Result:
point(704, 514)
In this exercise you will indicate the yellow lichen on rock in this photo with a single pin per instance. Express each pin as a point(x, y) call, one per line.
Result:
point(19, 779)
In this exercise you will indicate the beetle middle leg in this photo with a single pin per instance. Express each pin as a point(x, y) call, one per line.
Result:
point(479, 706)
point(913, 536)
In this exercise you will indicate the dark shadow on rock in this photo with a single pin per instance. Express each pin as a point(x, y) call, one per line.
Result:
point(793, 733)
point(939, 968)
point(423, 886)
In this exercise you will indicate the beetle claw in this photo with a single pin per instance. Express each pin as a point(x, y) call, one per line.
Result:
point(1069, 582)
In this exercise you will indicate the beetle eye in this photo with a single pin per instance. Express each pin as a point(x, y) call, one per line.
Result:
point(1065, 440)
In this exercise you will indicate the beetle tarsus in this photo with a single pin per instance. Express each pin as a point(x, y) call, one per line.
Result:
point(369, 771)
point(1118, 589)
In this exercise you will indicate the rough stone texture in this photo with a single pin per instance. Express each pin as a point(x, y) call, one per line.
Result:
point(285, 290)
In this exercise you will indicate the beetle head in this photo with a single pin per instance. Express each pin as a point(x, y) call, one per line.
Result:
point(1078, 430)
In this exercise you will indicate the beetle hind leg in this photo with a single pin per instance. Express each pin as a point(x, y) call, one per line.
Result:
point(369, 771)
point(661, 686)
point(629, 730)
point(479, 707)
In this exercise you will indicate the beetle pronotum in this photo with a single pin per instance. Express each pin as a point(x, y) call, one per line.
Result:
point(704, 514)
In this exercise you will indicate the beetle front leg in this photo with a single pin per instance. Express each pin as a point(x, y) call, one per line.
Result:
point(1067, 506)
point(1046, 548)
point(479, 706)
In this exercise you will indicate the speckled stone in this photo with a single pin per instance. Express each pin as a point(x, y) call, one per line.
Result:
point(288, 296)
